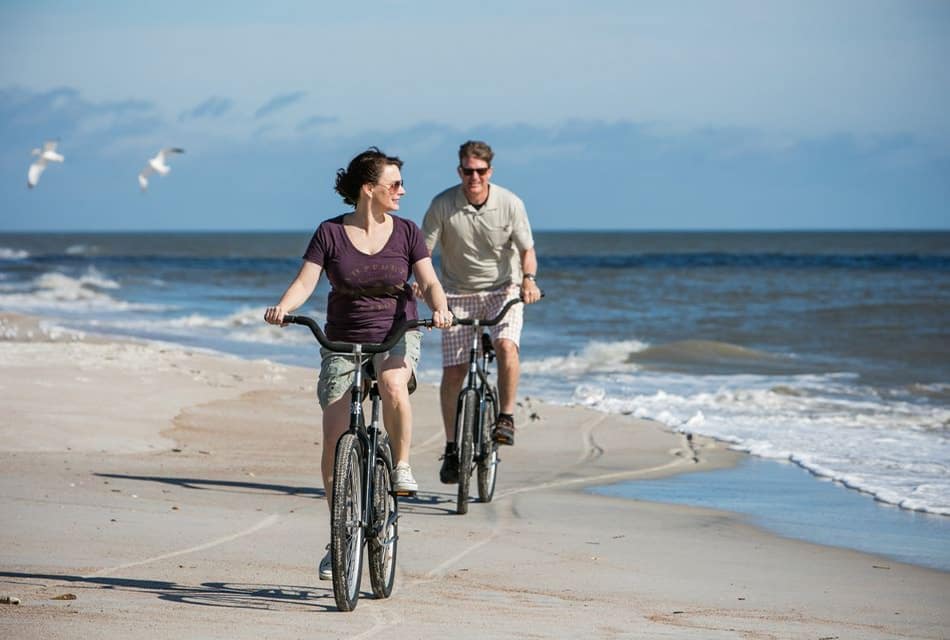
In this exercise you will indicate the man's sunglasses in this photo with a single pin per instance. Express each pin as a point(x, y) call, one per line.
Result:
point(481, 170)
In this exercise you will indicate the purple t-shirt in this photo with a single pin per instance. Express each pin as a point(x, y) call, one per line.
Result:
point(369, 294)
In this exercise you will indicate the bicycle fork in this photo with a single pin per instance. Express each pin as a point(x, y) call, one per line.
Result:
point(367, 437)
point(469, 382)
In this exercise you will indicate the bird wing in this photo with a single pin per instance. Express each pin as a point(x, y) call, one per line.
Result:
point(164, 153)
point(33, 175)
point(143, 181)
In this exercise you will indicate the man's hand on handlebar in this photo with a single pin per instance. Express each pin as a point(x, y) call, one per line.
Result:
point(442, 319)
point(530, 293)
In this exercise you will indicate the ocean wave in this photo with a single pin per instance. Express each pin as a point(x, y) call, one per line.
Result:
point(26, 329)
point(939, 392)
point(709, 356)
point(81, 250)
point(596, 356)
point(692, 356)
point(244, 325)
point(58, 291)
point(7, 253)
point(896, 451)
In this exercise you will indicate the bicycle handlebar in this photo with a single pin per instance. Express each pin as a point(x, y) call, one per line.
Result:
point(338, 346)
point(493, 321)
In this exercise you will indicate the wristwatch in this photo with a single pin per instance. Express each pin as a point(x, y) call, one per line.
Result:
point(530, 276)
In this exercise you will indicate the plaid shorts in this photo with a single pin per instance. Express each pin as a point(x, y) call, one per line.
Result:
point(457, 340)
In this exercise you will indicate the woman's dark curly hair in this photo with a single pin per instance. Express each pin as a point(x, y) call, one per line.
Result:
point(366, 167)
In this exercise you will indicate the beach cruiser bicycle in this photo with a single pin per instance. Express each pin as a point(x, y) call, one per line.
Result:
point(364, 510)
point(476, 414)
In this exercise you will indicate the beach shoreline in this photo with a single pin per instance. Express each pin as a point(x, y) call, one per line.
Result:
point(174, 490)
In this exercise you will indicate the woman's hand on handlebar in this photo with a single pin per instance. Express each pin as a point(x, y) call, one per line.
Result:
point(275, 315)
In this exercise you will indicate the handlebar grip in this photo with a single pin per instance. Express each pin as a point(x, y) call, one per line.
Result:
point(493, 321)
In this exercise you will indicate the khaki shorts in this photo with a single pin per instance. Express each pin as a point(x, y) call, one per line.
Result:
point(457, 341)
point(337, 371)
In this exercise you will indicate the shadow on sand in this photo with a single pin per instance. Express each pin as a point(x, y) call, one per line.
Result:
point(210, 594)
point(431, 503)
point(221, 485)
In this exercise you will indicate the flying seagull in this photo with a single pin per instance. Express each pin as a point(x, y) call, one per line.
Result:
point(157, 165)
point(43, 156)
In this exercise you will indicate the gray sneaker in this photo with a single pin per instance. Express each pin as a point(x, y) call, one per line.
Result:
point(326, 566)
point(403, 482)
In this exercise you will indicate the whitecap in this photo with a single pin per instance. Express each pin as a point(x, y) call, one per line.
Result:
point(588, 394)
point(7, 253)
point(244, 325)
point(81, 250)
point(596, 357)
point(57, 291)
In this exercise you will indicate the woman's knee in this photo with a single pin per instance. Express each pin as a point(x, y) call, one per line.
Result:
point(393, 386)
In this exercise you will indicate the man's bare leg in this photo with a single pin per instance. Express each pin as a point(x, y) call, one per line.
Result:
point(453, 378)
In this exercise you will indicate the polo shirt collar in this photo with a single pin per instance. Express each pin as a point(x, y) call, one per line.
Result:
point(462, 202)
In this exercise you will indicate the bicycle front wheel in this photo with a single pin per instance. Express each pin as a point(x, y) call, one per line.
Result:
point(488, 457)
point(382, 542)
point(465, 430)
point(346, 522)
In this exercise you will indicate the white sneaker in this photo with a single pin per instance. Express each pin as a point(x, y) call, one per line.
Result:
point(402, 479)
point(326, 566)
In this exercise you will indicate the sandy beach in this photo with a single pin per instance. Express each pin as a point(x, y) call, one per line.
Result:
point(152, 490)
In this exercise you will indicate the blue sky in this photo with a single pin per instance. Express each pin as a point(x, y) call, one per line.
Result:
point(603, 115)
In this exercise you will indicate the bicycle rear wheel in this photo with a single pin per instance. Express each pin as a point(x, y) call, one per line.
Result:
point(382, 544)
point(488, 458)
point(346, 526)
point(465, 430)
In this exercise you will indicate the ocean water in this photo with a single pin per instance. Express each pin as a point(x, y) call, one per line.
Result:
point(828, 350)
point(785, 499)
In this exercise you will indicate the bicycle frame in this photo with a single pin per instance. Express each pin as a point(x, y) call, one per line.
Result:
point(360, 446)
point(367, 436)
point(474, 446)
point(477, 379)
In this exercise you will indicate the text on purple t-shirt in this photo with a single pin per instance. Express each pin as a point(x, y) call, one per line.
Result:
point(369, 294)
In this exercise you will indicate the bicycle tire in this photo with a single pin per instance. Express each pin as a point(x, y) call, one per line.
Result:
point(346, 528)
point(382, 545)
point(465, 428)
point(488, 458)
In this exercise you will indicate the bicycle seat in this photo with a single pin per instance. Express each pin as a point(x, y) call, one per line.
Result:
point(487, 346)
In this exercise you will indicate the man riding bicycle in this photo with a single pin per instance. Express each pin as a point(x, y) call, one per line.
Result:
point(487, 258)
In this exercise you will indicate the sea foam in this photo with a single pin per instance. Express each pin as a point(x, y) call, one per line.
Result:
point(7, 253)
point(57, 291)
point(895, 450)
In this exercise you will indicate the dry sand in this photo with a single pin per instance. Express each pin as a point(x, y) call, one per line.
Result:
point(169, 492)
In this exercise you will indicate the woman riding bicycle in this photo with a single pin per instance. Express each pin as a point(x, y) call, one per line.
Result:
point(368, 256)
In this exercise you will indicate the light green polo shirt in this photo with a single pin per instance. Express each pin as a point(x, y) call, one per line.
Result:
point(480, 249)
